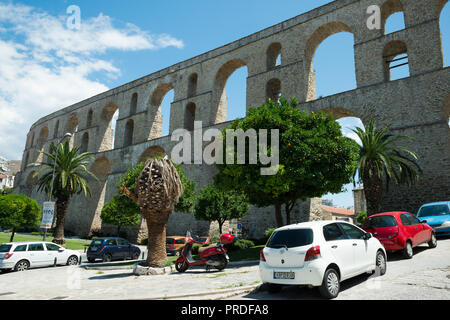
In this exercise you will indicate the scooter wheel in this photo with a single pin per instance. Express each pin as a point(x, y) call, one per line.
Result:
point(181, 266)
point(223, 263)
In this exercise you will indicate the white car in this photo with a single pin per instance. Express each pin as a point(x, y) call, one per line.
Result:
point(319, 254)
point(21, 256)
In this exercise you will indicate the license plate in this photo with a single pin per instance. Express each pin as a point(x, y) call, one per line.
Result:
point(93, 248)
point(284, 275)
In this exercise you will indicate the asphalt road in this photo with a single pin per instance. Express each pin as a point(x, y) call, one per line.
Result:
point(425, 277)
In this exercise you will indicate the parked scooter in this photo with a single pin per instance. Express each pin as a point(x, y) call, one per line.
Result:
point(214, 255)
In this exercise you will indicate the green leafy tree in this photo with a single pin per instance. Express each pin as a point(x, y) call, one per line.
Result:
point(70, 178)
point(315, 158)
point(361, 217)
point(120, 211)
point(214, 204)
point(381, 158)
point(17, 211)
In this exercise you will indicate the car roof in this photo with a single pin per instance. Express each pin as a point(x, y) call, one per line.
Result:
point(435, 203)
point(175, 237)
point(392, 213)
point(27, 242)
point(310, 224)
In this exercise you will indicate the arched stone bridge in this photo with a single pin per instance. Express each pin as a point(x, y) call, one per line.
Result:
point(417, 106)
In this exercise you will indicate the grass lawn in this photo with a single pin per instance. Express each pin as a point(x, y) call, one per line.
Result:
point(71, 244)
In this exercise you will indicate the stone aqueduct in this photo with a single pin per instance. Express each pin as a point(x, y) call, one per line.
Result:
point(417, 106)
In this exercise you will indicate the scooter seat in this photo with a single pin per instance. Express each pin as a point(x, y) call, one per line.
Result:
point(203, 249)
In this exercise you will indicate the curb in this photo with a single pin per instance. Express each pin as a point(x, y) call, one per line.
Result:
point(118, 266)
point(223, 293)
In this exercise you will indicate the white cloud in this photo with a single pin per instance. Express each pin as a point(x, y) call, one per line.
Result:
point(45, 66)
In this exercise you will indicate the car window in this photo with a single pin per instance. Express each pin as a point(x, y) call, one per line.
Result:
point(169, 241)
point(20, 248)
point(122, 242)
point(412, 220)
point(332, 232)
point(36, 247)
point(202, 239)
point(179, 241)
point(352, 232)
point(96, 242)
point(435, 210)
point(111, 242)
point(52, 247)
point(380, 222)
point(290, 238)
point(404, 219)
point(5, 247)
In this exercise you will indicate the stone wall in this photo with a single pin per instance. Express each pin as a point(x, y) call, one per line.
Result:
point(417, 106)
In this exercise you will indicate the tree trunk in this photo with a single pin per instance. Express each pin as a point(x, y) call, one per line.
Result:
point(62, 201)
point(373, 190)
point(220, 226)
point(288, 208)
point(118, 231)
point(156, 225)
point(13, 232)
point(278, 216)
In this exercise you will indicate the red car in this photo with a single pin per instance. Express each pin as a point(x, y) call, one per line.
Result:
point(400, 231)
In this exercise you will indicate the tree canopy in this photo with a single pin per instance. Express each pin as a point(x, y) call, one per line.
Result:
point(18, 210)
point(214, 204)
point(314, 157)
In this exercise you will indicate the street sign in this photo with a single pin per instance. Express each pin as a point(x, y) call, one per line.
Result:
point(239, 226)
point(48, 211)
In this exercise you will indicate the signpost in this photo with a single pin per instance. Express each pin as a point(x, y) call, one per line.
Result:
point(48, 211)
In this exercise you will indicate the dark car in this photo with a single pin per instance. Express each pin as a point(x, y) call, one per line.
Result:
point(109, 249)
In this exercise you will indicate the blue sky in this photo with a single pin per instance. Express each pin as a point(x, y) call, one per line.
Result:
point(44, 67)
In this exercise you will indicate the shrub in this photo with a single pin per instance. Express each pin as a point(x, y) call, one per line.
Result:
point(239, 245)
point(269, 232)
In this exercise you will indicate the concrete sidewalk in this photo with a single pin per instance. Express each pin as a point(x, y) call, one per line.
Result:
point(79, 283)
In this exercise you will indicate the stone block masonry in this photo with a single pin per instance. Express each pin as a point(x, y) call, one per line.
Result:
point(417, 106)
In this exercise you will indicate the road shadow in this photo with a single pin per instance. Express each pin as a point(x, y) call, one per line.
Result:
point(111, 276)
point(302, 292)
point(398, 256)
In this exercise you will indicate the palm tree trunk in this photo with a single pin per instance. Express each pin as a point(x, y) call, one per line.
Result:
point(156, 225)
point(373, 190)
point(62, 203)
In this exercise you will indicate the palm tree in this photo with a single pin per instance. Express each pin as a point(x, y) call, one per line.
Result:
point(381, 159)
point(64, 174)
point(157, 192)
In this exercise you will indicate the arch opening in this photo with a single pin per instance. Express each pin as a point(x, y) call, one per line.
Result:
point(189, 116)
point(230, 89)
point(351, 198)
point(89, 118)
point(108, 123)
point(273, 56)
point(152, 152)
point(273, 90)
point(192, 85)
point(330, 61)
point(396, 62)
point(133, 104)
point(72, 124)
point(56, 130)
point(160, 103)
point(444, 24)
point(392, 16)
point(129, 131)
point(84, 143)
